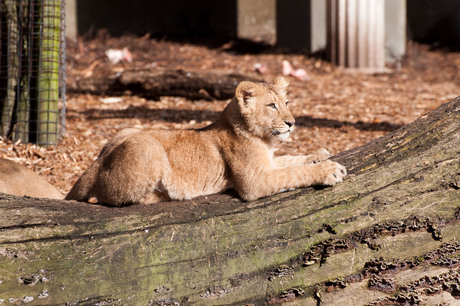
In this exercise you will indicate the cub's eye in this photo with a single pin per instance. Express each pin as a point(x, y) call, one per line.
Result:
point(272, 105)
point(287, 103)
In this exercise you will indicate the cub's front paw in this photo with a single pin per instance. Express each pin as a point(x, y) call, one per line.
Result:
point(319, 156)
point(332, 172)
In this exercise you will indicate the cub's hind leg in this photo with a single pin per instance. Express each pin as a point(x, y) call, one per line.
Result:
point(84, 188)
point(131, 173)
point(155, 197)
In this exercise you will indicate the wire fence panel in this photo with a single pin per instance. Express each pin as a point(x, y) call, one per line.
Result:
point(32, 62)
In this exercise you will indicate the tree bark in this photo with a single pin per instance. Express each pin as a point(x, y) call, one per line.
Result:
point(388, 233)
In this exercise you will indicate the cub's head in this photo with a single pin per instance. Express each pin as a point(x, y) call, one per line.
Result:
point(264, 109)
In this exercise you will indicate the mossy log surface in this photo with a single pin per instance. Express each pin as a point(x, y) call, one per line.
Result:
point(389, 232)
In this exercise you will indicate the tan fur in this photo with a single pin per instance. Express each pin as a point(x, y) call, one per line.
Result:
point(21, 181)
point(233, 152)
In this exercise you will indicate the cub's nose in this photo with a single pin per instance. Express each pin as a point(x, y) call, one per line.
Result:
point(289, 123)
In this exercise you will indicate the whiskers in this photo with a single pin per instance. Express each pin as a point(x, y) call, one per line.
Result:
point(281, 133)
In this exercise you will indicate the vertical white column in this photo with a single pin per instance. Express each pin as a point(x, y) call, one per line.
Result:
point(379, 15)
point(356, 33)
point(351, 38)
point(363, 33)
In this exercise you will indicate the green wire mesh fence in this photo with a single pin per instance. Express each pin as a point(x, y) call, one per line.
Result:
point(32, 70)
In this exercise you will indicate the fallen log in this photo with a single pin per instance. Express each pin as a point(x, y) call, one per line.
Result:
point(153, 83)
point(388, 234)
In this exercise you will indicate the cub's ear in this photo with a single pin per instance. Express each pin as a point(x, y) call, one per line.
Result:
point(281, 84)
point(245, 92)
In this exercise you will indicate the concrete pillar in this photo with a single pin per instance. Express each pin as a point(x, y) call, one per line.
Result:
point(395, 30)
point(356, 33)
point(256, 20)
point(71, 30)
point(318, 25)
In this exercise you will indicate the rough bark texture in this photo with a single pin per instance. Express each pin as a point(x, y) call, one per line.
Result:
point(388, 233)
point(163, 82)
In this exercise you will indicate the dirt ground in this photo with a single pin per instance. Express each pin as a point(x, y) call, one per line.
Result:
point(334, 108)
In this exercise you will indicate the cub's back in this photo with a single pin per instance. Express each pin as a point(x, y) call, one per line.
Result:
point(191, 149)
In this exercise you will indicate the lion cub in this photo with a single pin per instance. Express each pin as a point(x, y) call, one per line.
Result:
point(19, 180)
point(233, 152)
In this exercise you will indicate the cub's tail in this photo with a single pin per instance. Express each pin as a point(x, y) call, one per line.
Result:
point(82, 190)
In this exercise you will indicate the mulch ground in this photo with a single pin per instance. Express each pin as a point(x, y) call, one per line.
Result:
point(335, 108)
